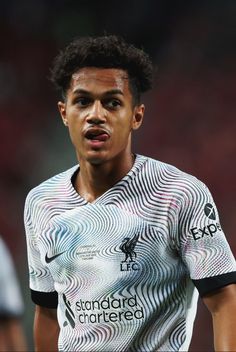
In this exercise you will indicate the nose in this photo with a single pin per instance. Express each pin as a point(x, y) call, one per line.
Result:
point(97, 113)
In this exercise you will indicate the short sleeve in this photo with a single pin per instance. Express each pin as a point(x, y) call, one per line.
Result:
point(203, 245)
point(11, 303)
point(40, 279)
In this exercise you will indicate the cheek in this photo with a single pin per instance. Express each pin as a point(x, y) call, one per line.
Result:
point(74, 133)
point(127, 126)
point(123, 132)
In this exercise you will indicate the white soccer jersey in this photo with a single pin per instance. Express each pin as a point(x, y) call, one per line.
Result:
point(124, 267)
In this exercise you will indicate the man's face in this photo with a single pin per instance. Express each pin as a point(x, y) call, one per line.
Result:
point(100, 115)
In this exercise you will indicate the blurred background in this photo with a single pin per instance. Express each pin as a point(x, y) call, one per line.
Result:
point(190, 114)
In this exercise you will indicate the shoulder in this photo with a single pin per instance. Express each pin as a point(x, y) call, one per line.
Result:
point(53, 188)
point(172, 182)
point(171, 176)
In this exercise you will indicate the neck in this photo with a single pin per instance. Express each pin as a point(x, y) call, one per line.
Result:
point(94, 180)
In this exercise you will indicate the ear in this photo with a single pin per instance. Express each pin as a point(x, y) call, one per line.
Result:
point(62, 110)
point(138, 116)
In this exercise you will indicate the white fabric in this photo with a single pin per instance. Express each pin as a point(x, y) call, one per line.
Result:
point(122, 265)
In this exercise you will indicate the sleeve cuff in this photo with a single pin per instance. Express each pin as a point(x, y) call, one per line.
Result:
point(45, 299)
point(213, 283)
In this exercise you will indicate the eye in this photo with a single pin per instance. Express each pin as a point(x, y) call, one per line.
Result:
point(112, 103)
point(83, 101)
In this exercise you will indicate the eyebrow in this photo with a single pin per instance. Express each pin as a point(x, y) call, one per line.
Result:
point(107, 93)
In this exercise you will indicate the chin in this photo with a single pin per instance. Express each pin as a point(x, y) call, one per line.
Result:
point(96, 159)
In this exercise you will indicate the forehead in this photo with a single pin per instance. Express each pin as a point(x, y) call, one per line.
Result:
point(93, 78)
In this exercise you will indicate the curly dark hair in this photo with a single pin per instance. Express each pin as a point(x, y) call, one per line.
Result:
point(109, 51)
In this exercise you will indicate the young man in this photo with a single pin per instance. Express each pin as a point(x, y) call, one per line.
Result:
point(118, 244)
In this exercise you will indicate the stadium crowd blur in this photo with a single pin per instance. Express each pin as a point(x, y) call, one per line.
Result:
point(190, 115)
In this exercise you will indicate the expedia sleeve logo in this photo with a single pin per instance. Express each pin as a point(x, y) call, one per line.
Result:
point(210, 211)
point(209, 230)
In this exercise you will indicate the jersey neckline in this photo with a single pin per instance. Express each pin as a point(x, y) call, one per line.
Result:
point(138, 163)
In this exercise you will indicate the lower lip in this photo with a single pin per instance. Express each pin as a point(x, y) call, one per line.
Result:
point(97, 142)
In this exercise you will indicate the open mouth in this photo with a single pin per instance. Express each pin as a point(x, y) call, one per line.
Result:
point(96, 135)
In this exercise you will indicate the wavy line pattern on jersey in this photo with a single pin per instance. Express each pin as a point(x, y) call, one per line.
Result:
point(203, 259)
point(88, 222)
point(160, 204)
point(50, 198)
point(96, 221)
point(161, 300)
point(177, 336)
point(40, 273)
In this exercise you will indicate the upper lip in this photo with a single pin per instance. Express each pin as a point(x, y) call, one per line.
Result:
point(95, 131)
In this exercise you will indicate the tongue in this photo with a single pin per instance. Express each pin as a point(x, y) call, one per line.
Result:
point(100, 137)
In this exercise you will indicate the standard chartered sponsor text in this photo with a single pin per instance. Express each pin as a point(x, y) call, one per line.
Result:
point(109, 310)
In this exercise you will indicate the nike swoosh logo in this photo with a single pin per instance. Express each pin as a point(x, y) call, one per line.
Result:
point(50, 259)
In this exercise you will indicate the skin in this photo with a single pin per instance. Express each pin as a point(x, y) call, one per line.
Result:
point(46, 329)
point(99, 101)
point(222, 305)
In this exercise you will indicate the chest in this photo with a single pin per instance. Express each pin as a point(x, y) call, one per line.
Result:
point(97, 243)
